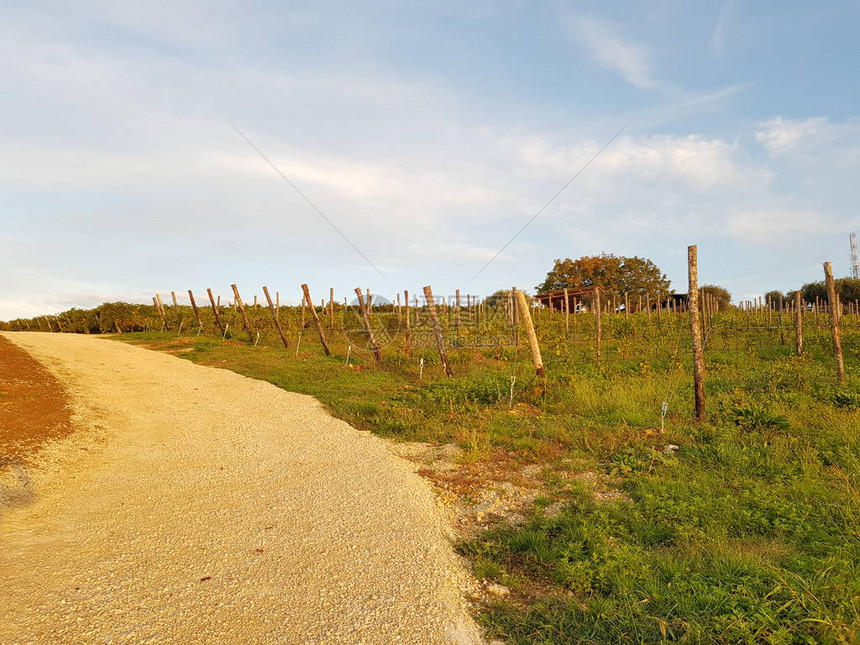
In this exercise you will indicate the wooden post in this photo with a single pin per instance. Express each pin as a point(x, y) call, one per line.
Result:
point(275, 318)
point(176, 310)
point(377, 355)
point(626, 306)
point(598, 321)
point(162, 312)
point(834, 323)
point(515, 317)
point(798, 322)
point(457, 312)
point(526, 315)
point(407, 342)
point(696, 332)
point(159, 307)
point(278, 305)
point(437, 331)
point(246, 324)
point(196, 310)
point(566, 312)
point(216, 312)
point(316, 319)
point(331, 309)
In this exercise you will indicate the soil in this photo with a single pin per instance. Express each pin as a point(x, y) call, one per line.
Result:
point(34, 407)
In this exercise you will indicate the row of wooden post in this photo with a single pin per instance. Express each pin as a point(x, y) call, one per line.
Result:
point(696, 329)
point(518, 309)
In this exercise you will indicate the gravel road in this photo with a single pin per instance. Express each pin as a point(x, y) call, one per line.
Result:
point(194, 505)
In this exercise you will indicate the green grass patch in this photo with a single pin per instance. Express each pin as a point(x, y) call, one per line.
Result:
point(749, 532)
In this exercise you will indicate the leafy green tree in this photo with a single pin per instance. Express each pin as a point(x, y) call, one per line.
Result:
point(616, 275)
point(721, 295)
point(500, 297)
point(773, 298)
point(847, 288)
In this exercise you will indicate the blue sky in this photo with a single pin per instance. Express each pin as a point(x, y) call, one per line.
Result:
point(428, 133)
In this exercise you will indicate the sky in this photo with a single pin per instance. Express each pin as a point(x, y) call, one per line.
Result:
point(408, 143)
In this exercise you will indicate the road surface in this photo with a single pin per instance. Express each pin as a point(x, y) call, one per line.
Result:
point(194, 505)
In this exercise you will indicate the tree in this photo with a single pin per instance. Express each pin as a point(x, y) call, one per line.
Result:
point(615, 275)
point(500, 297)
point(847, 288)
point(721, 295)
point(773, 298)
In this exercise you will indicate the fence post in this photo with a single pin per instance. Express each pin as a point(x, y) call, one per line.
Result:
point(566, 313)
point(377, 355)
point(196, 310)
point(162, 312)
point(407, 342)
point(526, 315)
point(798, 322)
point(317, 322)
point(437, 331)
point(834, 323)
point(331, 309)
point(514, 316)
point(598, 321)
point(696, 332)
point(275, 318)
point(215, 311)
point(159, 307)
point(245, 322)
point(176, 309)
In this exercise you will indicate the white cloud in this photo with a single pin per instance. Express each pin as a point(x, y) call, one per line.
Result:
point(450, 249)
point(121, 170)
point(718, 36)
point(814, 137)
point(610, 49)
point(773, 226)
point(780, 136)
point(695, 161)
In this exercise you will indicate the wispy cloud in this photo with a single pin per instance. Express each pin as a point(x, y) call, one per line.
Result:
point(718, 36)
point(783, 137)
point(611, 49)
point(773, 226)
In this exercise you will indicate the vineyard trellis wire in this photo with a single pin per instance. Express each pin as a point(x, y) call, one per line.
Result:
point(657, 338)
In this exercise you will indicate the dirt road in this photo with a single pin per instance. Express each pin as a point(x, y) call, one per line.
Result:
point(193, 505)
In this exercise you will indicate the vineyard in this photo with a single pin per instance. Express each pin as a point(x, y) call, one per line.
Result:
point(743, 527)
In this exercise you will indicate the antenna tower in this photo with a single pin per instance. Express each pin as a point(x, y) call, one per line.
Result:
point(855, 257)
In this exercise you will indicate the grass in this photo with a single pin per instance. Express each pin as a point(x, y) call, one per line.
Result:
point(749, 532)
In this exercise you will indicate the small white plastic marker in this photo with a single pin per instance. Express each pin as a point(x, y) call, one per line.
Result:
point(348, 352)
point(511, 399)
point(421, 368)
point(663, 411)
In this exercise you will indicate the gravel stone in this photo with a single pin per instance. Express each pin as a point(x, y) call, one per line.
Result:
point(194, 505)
